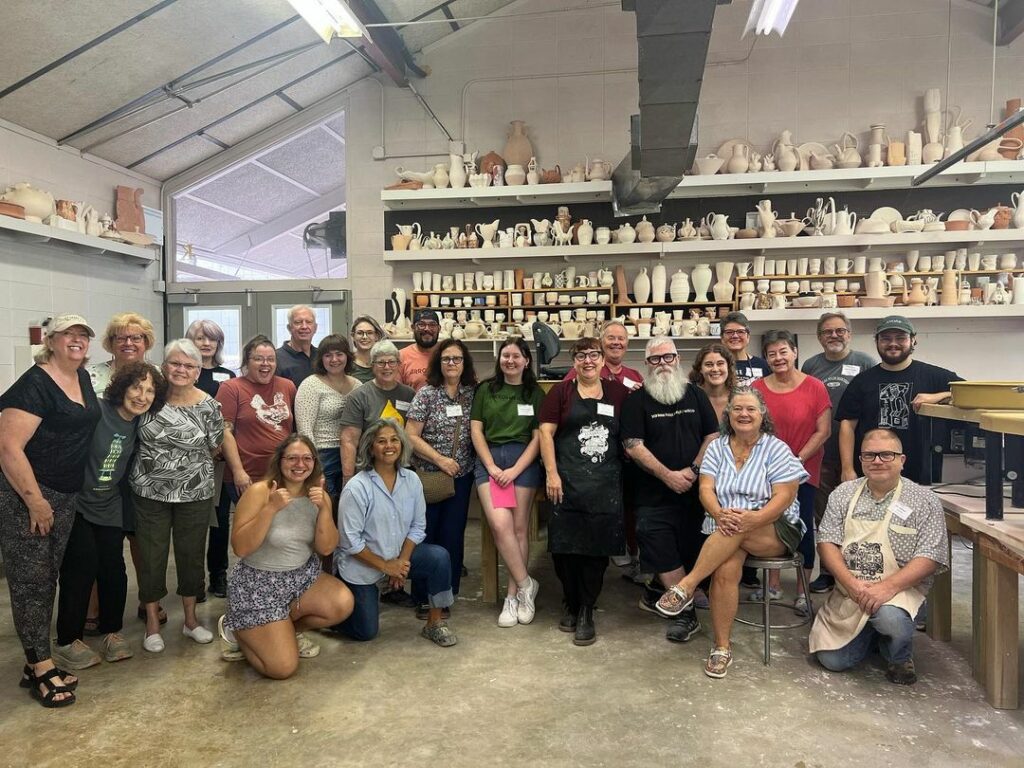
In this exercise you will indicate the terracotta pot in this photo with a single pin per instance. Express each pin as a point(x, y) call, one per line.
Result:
point(1003, 215)
point(957, 226)
point(422, 300)
point(491, 159)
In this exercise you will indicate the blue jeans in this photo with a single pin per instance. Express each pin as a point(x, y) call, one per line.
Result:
point(891, 627)
point(330, 460)
point(446, 527)
point(805, 498)
point(429, 565)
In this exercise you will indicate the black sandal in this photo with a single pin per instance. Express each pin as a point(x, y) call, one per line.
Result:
point(161, 613)
point(53, 690)
point(26, 678)
point(92, 627)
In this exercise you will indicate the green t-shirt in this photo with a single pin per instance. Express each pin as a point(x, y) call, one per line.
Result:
point(508, 415)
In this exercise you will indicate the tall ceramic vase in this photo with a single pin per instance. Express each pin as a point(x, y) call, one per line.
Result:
point(642, 287)
point(457, 172)
point(518, 150)
point(723, 288)
point(658, 279)
point(701, 279)
point(679, 289)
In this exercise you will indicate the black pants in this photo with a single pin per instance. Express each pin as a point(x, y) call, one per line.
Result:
point(94, 553)
point(582, 577)
point(217, 545)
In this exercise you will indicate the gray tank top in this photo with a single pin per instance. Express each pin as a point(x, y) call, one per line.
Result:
point(289, 541)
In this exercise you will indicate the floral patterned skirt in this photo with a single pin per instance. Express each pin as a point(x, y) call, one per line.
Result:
point(257, 597)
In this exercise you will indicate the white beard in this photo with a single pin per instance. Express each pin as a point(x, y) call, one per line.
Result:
point(666, 388)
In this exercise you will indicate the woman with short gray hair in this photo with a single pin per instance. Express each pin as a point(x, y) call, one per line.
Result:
point(383, 523)
point(172, 485)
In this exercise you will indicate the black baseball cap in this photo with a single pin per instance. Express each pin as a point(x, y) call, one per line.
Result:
point(895, 323)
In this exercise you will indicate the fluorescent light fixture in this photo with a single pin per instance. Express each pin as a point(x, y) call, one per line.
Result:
point(767, 16)
point(330, 18)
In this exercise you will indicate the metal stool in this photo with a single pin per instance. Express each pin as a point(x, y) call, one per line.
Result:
point(766, 564)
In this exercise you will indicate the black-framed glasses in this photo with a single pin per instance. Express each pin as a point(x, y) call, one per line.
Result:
point(582, 357)
point(668, 357)
point(426, 325)
point(736, 332)
point(885, 456)
point(833, 332)
point(452, 360)
point(386, 363)
point(365, 334)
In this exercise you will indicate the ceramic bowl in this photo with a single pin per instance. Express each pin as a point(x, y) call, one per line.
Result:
point(803, 302)
point(957, 226)
point(709, 166)
point(578, 299)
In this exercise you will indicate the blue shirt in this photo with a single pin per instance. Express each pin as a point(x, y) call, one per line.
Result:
point(770, 462)
point(374, 518)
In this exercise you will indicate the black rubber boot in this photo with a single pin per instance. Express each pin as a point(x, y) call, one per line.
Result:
point(585, 632)
point(568, 622)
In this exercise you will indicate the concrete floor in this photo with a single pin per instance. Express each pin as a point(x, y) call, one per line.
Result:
point(523, 696)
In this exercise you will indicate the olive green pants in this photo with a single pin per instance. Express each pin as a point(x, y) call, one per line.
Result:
point(156, 524)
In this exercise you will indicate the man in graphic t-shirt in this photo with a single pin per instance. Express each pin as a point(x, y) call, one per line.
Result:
point(736, 336)
point(414, 359)
point(888, 396)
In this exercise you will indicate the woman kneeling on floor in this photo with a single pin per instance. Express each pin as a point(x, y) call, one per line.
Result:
point(283, 524)
point(748, 486)
point(383, 524)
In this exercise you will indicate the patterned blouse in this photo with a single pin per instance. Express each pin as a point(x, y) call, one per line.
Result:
point(435, 409)
point(318, 409)
point(921, 534)
point(174, 462)
point(770, 462)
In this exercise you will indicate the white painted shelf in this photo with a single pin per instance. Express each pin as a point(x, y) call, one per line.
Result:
point(967, 312)
point(935, 241)
point(29, 231)
point(829, 182)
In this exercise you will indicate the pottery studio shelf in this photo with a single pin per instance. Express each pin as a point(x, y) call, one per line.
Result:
point(932, 241)
point(966, 312)
point(829, 182)
point(29, 231)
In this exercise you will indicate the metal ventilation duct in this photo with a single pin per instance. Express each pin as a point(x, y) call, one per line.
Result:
point(672, 45)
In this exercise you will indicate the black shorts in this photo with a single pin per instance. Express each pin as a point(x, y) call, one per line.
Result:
point(669, 537)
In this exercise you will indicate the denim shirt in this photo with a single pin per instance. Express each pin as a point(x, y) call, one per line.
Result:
point(374, 518)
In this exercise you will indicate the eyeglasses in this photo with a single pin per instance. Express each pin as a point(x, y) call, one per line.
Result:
point(296, 459)
point(593, 355)
point(262, 360)
point(833, 332)
point(452, 360)
point(386, 363)
point(736, 332)
point(365, 334)
point(134, 338)
point(668, 357)
point(182, 366)
point(426, 325)
point(886, 456)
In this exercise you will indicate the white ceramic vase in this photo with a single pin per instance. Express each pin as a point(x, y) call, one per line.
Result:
point(457, 172)
point(642, 287)
point(417, 281)
point(658, 279)
point(701, 279)
point(679, 289)
point(440, 176)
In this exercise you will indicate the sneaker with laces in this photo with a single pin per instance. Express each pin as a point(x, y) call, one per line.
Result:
point(307, 648)
point(901, 673)
point(683, 628)
point(439, 634)
point(526, 595)
point(801, 607)
point(116, 647)
point(75, 655)
point(824, 583)
point(509, 615)
point(774, 595)
point(229, 650)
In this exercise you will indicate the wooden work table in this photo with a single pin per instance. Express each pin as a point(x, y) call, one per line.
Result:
point(998, 559)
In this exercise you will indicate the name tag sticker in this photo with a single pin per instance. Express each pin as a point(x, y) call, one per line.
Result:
point(850, 370)
point(900, 510)
point(402, 405)
point(628, 383)
point(525, 409)
point(220, 377)
point(453, 410)
point(757, 373)
point(605, 409)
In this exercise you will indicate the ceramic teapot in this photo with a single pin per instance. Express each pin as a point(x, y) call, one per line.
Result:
point(626, 233)
point(645, 231)
point(666, 233)
point(598, 169)
point(847, 155)
point(984, 220)
point(475, 329)
point(718, 225)
point(38, 204)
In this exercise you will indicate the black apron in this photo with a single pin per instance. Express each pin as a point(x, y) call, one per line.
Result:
point(589, 519)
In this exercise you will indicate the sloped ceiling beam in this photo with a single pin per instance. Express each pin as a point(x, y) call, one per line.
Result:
point(387, 49)
point(1011, 21)
point(284, 223)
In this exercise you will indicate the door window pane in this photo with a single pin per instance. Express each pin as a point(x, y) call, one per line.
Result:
point(230, 321)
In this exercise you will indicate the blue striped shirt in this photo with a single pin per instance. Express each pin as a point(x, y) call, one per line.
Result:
point(770, 462)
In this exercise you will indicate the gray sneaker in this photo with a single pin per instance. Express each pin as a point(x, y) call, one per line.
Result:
point(116, 647)
point(683, 628)
point(526, 597)
point(75, 655)
point(440, 634)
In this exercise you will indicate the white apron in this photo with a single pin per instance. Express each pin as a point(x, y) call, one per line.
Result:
point(840, 619)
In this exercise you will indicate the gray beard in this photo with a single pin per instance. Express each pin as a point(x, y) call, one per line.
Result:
point(666, 389)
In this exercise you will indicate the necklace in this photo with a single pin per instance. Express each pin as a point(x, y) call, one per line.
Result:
point(740, 452)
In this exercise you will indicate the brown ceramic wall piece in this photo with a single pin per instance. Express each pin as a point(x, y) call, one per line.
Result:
point(129, 210)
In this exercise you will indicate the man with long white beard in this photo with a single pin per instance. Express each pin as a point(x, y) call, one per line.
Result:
point(666, 426)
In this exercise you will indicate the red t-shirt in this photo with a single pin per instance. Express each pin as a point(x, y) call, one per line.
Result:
point(262, 415)
point(627, 377)
point(412, 366)
point(795, 415)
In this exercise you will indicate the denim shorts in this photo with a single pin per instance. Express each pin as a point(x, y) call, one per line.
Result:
point(505, 456)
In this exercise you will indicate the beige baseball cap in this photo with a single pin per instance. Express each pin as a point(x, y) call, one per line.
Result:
point(63, 322)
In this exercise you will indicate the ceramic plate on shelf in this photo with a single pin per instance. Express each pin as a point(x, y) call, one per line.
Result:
point(886, 214)
point(805, 151)
point(725, 151)
point(960, 214)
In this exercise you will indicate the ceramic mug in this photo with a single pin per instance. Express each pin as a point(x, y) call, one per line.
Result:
point(974, 262)
point(1008, 261)
point(860, 264)
point(769, 267)
point(876, 286)
point(843, 266)
point(924, 264)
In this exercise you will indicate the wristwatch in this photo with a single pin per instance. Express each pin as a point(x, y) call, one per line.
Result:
point(696, 468)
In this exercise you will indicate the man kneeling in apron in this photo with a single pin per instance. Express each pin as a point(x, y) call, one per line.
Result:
point(884, 539)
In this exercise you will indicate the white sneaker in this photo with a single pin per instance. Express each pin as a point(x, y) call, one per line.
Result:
point(801, 607)
point(526, 596)
point(153, 643)
point(229, 650)
point(621, 561)
point(200, 634)
point(509, 615)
